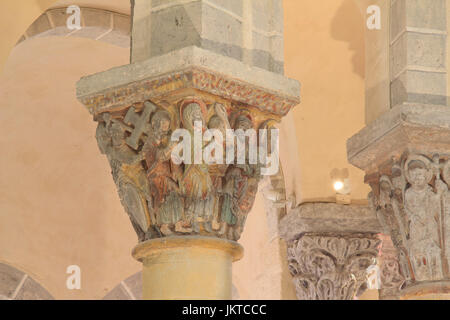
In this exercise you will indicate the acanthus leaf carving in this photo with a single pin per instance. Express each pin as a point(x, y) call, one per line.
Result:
point(331, 266)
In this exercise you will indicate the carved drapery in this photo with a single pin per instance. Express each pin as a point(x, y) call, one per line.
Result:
point(412, 200)
point(331, 266)
point(163, 198)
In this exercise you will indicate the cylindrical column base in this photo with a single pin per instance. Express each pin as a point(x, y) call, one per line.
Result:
point(187, 268)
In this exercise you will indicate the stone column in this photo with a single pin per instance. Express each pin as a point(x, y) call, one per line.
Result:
point(330, 248)
point(405, 151)
point(195, 65)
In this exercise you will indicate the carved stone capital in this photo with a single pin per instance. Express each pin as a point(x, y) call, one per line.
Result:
point(140, 107)
point(331, 266)
point(330, 248)
point(411, 198)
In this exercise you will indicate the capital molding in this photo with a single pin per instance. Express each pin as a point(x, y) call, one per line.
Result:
point(408, 127)
point(390, 274)
point(328, 218)
point(189, 68)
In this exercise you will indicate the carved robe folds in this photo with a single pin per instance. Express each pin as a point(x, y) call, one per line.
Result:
point(411, 199)
point(163, 198)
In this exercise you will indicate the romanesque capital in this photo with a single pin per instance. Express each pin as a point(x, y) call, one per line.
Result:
point(331, 266)
point(331, 248)
point(190, 96)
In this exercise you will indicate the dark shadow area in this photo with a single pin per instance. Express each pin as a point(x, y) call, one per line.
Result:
point(348, 26)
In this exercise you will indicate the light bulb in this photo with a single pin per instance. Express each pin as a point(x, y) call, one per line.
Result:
point(338, 185)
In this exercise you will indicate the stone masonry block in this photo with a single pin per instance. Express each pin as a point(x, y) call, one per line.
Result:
point(9, 280)
point(419, 87)
point(417, 49)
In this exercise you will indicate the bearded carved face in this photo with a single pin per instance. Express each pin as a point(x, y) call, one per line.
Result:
point(218, 124)
point(191, 114)
point(243, 123)
point(161, 124)
point(418, 175)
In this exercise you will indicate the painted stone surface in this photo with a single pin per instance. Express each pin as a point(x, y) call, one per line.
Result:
point(163, 198)
point(411, 198)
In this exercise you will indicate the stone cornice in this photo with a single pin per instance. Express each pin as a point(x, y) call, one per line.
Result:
point(189, 68)
point(409, 127)
point(328, 218)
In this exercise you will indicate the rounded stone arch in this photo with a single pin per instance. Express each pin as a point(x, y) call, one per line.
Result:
point(97, 24)
point(17, 285)
point(19, 15)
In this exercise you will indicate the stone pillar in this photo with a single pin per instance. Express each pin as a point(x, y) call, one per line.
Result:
point(196, 65)
point(405, 151)
point(330, 248)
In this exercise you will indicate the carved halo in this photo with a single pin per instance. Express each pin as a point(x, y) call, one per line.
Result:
point(188, 101)
point(424, 160)
point(268, 124)
point(386, 179)
point(241, 113)
point(446, 172)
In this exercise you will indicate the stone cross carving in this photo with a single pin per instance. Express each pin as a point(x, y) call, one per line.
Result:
point(331, 267)
point(412, 200)
point(140, 123)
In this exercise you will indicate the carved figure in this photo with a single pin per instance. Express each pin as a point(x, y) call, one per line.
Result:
point(423, 209)
point(196, 181)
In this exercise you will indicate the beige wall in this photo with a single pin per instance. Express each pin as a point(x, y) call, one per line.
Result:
point(325, 51)
point(15, 17)
point(58, 203)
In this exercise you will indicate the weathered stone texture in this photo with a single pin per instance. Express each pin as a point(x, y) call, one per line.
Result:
point(391, 277)
point(418, 52)
point(424, 128)
point(31, 290)
point(328, 217)
point(331, 266)
point(16, 285)
point(9, 279)
point(235, 29)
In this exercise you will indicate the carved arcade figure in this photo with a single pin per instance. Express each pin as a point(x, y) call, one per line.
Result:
point(412, 205)
point(163, 198)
